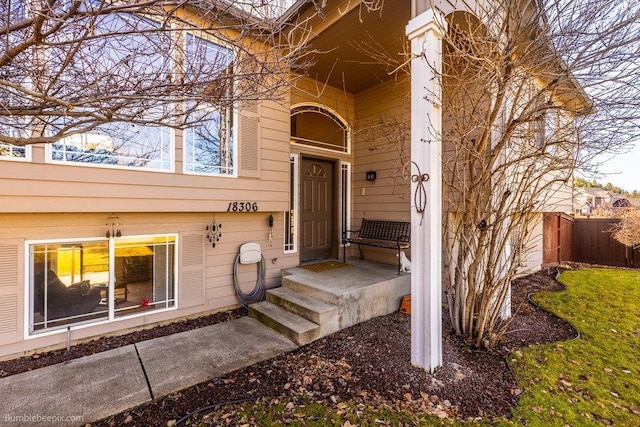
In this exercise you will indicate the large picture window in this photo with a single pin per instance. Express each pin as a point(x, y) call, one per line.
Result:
point(98, 280)
point(208, 140)
point(125, 52)
point(119, 144)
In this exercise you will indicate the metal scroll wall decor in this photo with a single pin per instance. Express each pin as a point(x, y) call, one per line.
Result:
point(420, 193)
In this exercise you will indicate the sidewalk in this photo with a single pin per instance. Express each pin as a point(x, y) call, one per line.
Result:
point(90, 388)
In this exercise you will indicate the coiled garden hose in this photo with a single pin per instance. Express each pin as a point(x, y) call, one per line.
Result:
point(258, 292)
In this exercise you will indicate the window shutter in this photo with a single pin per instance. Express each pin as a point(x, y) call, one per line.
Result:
point(191, 286)
point(249, 141)
point(9, 293)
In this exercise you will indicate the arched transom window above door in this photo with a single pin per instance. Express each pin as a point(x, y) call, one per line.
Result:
point(317, 127)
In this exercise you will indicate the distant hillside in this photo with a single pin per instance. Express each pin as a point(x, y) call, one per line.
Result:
point(581, 182)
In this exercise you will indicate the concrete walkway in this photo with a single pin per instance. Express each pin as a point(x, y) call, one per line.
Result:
point(90, 388)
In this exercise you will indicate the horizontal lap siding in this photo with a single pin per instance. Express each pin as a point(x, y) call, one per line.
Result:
point(218, 291)
point(308, 91)
point(388, 197)
point(42, 187)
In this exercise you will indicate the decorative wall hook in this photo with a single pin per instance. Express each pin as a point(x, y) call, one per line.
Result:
point(113, 227)
point(214, 233)
point(420, 193)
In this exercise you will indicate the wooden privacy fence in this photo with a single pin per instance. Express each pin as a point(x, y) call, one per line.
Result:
point(558, 239)
point(594, 244)
point(587, 240)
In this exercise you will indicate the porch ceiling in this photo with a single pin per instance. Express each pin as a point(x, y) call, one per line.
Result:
point(348, 47)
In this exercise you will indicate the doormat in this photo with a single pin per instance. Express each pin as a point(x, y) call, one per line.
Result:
point(323, 266)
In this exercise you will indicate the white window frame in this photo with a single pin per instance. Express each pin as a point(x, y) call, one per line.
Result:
point(171, 160)
point(347, 128)
point(345, 198)
point(27, 155)
point(171, 133)
point(292, 247)
point(234, 116)
point(111, 318)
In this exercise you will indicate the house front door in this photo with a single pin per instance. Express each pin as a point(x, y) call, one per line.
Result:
point(317, 216)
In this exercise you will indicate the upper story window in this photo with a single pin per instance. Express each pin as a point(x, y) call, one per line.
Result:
point(118, 144)
point(10, 151)
point(136, 144)
point(317, 127)
point(13, 152)
point(123, 53)
point(209, 146)
point(208, 141)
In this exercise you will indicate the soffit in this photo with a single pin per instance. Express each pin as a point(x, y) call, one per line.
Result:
point(343, 56)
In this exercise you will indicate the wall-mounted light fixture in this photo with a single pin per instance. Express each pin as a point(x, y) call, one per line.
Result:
point(371, 175)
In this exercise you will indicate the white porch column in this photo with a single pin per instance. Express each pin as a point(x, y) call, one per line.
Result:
point(425, 32)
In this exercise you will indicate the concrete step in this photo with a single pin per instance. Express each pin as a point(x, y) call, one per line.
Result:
point(313, 309)
point(304, 284)
point(298, 329)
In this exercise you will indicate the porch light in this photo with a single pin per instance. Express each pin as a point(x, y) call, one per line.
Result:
point(371, 175)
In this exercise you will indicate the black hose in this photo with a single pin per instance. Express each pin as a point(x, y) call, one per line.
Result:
point(215, 406)
point(258, 292)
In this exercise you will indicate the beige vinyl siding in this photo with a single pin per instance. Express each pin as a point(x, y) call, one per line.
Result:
point(308, 91)
point(217, 292)
point(40, 187)
point(388, 197)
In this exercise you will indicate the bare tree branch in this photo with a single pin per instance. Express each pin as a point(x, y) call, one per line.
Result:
point(70, 66)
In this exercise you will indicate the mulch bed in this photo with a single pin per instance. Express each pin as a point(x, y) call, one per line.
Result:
point(367, 365)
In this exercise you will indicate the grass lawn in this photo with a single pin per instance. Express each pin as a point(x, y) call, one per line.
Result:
point(595, 379)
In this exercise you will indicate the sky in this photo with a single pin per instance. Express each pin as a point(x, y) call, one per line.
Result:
point(623, 170)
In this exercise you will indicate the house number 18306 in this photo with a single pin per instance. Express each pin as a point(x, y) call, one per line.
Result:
point(243, 207)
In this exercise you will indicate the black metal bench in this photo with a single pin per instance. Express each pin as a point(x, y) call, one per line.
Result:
point(380, 234)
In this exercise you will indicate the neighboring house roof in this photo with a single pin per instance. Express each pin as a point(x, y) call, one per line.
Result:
point(621, 202)
point(593, 192)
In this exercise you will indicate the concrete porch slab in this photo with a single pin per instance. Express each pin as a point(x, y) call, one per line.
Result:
point(185, 359)
point(75, 392)
point(362, 290)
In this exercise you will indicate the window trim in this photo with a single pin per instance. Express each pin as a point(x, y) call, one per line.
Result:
point(235, 117)
point(172, 159)
point(234, 156)
point(345, 197)
point(292, 247)
point(27, 156)
point(111, 319)
point(347, 128)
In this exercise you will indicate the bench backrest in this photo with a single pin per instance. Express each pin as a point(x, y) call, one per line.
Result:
point(396, 231)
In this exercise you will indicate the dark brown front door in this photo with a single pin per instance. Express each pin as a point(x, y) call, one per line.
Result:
point(317, 210)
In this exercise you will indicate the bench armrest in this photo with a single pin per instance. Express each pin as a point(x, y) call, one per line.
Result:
point(344, 233)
